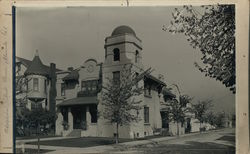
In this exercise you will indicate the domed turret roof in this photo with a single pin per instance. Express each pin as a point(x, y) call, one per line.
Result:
point(36, 67)
point(123, 30)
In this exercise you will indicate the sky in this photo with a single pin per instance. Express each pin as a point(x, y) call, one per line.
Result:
point(68, 36)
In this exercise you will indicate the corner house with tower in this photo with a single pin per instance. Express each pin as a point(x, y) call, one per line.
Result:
point(75, 94)
point(79, 91)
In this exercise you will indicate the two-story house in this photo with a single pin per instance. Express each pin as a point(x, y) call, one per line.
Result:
point(79, 91)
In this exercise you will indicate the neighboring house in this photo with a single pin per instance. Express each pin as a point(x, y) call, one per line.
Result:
point(79, 91)
point(168, 124)
point(38, 84)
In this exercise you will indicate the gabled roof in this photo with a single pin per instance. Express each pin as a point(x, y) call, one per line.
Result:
point(73, 75)
point(36, 67)
point(168, 93)
point(151, 77)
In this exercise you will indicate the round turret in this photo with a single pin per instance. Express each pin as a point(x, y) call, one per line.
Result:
point(36, 75)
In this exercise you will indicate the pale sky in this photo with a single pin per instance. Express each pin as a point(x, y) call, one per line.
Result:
point(69, 36)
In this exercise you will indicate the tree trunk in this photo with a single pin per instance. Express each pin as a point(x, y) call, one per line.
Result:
point(200, 127)
point(117, 134)
point(178, 129)
point(38, 138)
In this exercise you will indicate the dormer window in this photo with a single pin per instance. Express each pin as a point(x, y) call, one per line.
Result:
point(116, 54)
point(136, 56)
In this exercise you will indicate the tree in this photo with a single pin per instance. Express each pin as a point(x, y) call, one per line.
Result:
point(200, 110)
point(121, 107)
point(212, 30)
point(177, 109)
point(219, 120)
point(21, 91)
point(210, 118)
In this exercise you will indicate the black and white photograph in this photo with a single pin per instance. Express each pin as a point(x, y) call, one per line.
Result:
point(130, 80)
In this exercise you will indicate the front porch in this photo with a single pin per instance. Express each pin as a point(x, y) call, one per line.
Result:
point(77, 117)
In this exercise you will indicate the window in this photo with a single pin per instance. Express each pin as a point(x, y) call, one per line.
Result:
point(89, 85)
point(62, 89)
point(146, 114)
point(45, 86)
point(83, 85)
point(35, 105)
point(35, 84)
point(147, 90)
point(116, 77)
point(94, 85)
point(136, 56)
point(116, 54)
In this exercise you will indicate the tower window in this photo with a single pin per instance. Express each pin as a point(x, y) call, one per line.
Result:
point(116, 54)
point(35, 84)
point(45, 86)
point(136, 56)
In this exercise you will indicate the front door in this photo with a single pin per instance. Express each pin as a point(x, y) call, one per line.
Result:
point(79, 117)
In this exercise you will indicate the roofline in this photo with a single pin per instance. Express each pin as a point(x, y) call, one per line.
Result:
point(122, 35)
point(155, 79)
point(57, 70)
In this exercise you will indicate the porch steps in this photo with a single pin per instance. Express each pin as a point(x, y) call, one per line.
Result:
point(75, 133)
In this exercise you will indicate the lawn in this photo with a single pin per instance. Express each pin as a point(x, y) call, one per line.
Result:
point(81, 142)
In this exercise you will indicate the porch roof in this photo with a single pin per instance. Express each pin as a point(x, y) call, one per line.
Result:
point(79, 101)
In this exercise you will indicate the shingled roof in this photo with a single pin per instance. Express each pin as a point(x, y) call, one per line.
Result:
point(27, 64)
point(36, 67)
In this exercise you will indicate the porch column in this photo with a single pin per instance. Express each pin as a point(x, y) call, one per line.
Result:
point(70, 119)
point(88, 116)
point(59, 127)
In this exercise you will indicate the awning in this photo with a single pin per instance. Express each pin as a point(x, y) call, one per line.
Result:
point(79, 101)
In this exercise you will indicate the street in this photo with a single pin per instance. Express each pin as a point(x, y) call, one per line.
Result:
point(211, 142)
point(214, 142)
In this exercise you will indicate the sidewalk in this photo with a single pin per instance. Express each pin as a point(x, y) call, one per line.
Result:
point(104, 148)
point(41, 139)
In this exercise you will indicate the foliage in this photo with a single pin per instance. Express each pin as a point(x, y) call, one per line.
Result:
point(177, 109)
point(210, 118)
point(212, 30)
point(120, 102)
point(29, 119)
point(201, 108)
point(219, 120)
point(43, 116)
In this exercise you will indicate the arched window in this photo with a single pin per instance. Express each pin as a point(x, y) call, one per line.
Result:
point(136, 56)
point(116, 54)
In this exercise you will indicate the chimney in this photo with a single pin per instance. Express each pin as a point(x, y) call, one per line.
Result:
point(52, 91)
